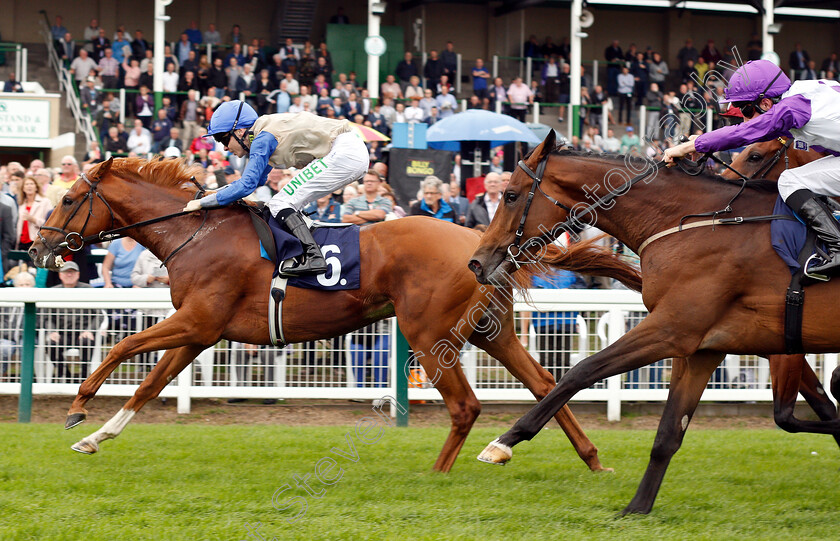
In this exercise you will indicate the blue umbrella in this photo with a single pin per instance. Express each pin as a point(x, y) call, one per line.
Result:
point(478, 125)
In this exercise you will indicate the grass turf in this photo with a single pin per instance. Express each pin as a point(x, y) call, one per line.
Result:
point(191, 482)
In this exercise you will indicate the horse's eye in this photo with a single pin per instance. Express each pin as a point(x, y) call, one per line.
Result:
point(755, 157)
point(67, 202)
point(510, 197)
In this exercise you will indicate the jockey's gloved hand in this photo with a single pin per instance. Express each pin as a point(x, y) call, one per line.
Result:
point(193, 205)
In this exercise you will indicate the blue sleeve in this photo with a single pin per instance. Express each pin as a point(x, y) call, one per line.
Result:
point(792, 112)
point(262, 147)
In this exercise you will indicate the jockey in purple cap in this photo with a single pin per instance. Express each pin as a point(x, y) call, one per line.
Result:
point(808, 111)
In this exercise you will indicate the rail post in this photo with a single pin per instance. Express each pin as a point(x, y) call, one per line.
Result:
point(27, 363)
point(401, 383)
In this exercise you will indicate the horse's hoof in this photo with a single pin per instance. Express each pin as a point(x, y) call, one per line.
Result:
point(74, 419)
point(604, 470)
point(496, 453)
point(85, 447)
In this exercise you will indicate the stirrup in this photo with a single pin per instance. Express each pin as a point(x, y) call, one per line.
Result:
point(292, 270)
point(814, 276)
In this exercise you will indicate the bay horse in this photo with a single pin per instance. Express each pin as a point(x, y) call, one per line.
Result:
point(413, 268)
point(709, 291)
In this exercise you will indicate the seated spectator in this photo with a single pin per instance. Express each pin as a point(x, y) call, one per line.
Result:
point(458, 203)
point(114, 143)
point(484, 206)
point(11, 325)
point(160, 130)
point(289, 56)
point(446, 103)
point(370, 207)
point(140, 139)
point(414, 113)
point(390, 88)
point(12, 84)
point(276, 179)
point(202, 143)
point(148, 272)
point(630, 140)
point(433, 204)
point(325, 209)
point(211, 35)
point(70, 331)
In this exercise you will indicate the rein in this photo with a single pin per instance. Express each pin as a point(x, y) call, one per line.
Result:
point(571, 222)
point(75, 241)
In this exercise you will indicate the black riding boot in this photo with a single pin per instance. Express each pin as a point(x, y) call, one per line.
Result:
point(817, 215)
point(312, 260)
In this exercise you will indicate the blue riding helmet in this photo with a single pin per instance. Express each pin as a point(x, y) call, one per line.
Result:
point(231, 115)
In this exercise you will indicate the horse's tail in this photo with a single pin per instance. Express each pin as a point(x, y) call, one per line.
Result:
point(591, 259)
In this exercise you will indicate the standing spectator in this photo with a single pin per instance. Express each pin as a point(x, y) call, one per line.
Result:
point(211, 35)
point(289, 56)
point(90, 33)
point(555, 331)
point(754, 47)
point(550, 80)
point(233, 70)
point(831, 64)
point(339, 17)
point(193, 33)
point(57, 29)
point(119, 262)
point(432, 204)
point(281, 99)
point(427, 102)
point(246, 84)
point(70, 329)
point(520, 97)
point(484, 206)
point(626, 83)
point(183, 48)
point(414, 113)
point(639, 69)
point(614, 56)
point(66, 48)
point(170, 80)
point(370, 207)
point(446, 103)
point(148, 271)
point(82, 66)
point(433, 70)
point(654, 101)
point(192, 64)
point(498, 94)
point(144, 106)
point(236, 37)
point(11, 324)
point(139, 46)
point(118, 46)
point(89, 97)
point(450, 61)
point(688, 52)
point(599, 99)
point(710, 52)
point(32, 212)
point(8, 228)
point(217, 79)
point(264, 87)
point(564, 89)
point(172, 140)
point(480, 75)
point(109, 69)
point(406, 69)
point(190, 116)
point(532, 48)
point(657, 70)
point(99, 44)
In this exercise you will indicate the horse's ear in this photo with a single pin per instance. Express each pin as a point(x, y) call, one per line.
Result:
point(544, 148)
point(105, 167)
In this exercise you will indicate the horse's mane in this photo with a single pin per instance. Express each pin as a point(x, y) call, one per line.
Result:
point(167, 172)
point(763, 186)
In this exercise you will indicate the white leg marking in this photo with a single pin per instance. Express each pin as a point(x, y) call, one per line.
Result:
point(110, 430)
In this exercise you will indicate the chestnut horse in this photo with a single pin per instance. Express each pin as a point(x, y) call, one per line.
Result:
point(414, 268)
point(709, 291)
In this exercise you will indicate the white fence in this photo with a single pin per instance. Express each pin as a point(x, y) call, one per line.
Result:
point(361, 365)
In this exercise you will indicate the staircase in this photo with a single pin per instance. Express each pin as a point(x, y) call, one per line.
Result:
point(39, 70)
point(296, 21)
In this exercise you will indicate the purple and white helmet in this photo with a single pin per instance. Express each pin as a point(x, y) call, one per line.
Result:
point(756, 79)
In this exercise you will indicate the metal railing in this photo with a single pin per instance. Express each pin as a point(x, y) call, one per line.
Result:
point(365, 364)
point(21, 59)
point(67, 86)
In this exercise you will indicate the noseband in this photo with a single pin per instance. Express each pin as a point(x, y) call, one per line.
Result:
point(514, 250)
point(75, 241)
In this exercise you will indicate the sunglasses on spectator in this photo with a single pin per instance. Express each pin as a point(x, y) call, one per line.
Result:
point(223, 138)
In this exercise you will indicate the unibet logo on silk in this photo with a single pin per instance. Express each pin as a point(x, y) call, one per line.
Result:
point(420, 168)
point(307, 173)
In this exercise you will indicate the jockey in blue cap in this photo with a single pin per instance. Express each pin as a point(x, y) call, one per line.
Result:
point(328, 153)
point(808, 111)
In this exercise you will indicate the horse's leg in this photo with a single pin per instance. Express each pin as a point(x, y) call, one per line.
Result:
point(688, 380)
point(653, 339)
point(175, 331)
point(169, 366)
point(791, 374)
point(510, 352)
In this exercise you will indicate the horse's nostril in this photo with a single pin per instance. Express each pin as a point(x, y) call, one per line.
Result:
point(474, 266)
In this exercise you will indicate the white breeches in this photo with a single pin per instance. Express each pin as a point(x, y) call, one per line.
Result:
point(821, 177)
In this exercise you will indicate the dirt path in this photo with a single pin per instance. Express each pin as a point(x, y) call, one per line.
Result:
point(53, 409)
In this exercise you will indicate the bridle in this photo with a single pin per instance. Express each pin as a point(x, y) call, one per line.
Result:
point(572, 221)
point(515, 249)
point(75, 241)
